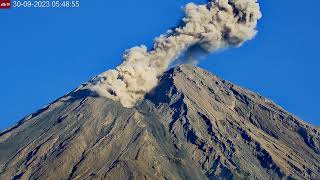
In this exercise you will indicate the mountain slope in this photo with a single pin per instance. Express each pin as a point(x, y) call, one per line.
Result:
point(193, 125)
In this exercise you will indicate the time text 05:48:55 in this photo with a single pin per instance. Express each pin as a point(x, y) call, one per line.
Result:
point(45, 4)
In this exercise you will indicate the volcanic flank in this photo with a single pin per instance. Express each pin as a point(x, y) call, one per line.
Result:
point(137, 122)
point(193, 125)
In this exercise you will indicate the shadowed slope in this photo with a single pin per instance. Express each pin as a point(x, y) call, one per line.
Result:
point(233, 129)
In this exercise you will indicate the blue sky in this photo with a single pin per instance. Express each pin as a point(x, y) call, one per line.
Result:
point(45, 53)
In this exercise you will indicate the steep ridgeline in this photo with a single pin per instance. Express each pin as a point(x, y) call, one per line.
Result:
point(193, 125)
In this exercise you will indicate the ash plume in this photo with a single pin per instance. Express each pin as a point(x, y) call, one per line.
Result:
point(216, 25)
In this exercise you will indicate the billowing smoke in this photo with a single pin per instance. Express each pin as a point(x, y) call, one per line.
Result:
point(206, 28)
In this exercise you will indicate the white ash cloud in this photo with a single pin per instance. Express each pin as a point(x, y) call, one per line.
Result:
point(216, 25)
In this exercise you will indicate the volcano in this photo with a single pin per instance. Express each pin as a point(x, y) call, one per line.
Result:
point(193, 125)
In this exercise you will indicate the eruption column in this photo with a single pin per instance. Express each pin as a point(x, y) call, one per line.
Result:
point(216, 25)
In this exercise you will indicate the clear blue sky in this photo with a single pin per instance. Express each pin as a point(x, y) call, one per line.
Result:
point(45, 53)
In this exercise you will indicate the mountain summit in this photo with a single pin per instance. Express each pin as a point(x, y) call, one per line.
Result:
point(193, 125)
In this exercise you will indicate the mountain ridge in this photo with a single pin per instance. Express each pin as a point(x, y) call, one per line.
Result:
point(193, 125)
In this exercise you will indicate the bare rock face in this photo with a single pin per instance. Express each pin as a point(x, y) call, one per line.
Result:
point(193, 125)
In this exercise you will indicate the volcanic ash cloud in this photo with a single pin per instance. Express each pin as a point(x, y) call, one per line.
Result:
point(213, 26)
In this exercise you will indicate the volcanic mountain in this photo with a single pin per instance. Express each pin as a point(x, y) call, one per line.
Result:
point(193, 125)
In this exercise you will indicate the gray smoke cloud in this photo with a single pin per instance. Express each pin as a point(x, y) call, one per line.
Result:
point(206, 28)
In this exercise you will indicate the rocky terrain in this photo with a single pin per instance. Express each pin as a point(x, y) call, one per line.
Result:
point(193, 125)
